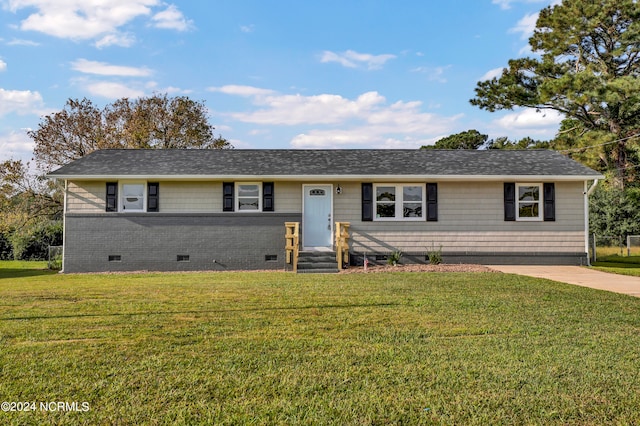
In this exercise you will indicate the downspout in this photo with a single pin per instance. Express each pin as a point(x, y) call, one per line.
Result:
point(586, 193)
point(64, 224)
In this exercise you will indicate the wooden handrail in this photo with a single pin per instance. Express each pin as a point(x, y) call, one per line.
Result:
point(292, 243)
point(342, 243)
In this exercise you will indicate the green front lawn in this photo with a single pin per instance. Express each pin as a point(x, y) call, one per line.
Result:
point(625, 265)
point(279, 348)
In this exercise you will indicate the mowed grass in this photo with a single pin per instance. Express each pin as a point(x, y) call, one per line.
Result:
point(625, 265)
point(279, 348)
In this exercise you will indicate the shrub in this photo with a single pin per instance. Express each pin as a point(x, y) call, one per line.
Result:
point(435, 256)
point(33, 244)
point(6, 249)
point(394, 258)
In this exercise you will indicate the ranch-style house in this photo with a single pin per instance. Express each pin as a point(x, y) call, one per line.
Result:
point(168, 210)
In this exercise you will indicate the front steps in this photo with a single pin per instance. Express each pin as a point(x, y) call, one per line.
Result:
point(317, 262)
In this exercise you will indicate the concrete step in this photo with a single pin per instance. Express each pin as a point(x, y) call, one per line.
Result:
point(310, 262)
point(318, 271)
point(317, 265)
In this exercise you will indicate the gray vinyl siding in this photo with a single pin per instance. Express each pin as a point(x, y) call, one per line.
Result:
point(179, 197)
point(470, 218)
point(470, 227)
point(86, 197)
point(190, 197)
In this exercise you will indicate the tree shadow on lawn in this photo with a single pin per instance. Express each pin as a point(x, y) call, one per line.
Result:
point(208, 311)
point(21, 273)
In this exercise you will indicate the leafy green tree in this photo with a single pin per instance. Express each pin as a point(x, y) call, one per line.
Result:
point(158, 121)
point(614, 213)
point(524, 143)
point(26, 197)
point(6, 248)
point(33, 243)
point(28, 200)
point(470, 139)
point(587, 70)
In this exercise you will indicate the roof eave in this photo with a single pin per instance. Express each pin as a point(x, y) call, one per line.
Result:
point(335, 177)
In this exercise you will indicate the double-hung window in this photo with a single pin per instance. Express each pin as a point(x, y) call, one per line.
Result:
point(529, 201)
point(133, 197)
point(249, 197)
point(399, 201)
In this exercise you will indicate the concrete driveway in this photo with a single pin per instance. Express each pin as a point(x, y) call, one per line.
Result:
point(577, 275)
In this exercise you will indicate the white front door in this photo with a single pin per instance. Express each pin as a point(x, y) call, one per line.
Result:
point(317, 220)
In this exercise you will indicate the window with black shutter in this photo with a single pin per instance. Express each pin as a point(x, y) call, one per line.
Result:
point(227, 196)
point(112, 197)
point(267, 197)
point(367, 202)
point(549, 202)
point(153, 197)
point(432, 202)
point(509, 201)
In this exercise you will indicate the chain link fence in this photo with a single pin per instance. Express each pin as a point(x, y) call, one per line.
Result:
point(601, 246)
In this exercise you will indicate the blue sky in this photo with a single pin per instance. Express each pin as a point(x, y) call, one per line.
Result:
point(273, 74)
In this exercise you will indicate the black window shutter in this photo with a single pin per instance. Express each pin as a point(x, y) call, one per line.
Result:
point(112, 197)
point(432, 202)
point(549, 190)
point(367, 202)
point(227, 196)
point(153, 197)
point(509, 201)
point(267, 197)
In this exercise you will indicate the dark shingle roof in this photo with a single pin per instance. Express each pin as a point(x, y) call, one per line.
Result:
point(121, 163)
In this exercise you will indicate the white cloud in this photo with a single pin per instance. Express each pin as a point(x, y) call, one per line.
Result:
point(20, 101)
point(172, 19)
point(3, 65)
point(496, 72)
point(525, 26)
point(80, 19)
point(102, 68)
point(352, 59)
point(506, 4)
point(434, 73)
point(95, 19)
point(239, 90)
point(20, 42)
point(335, 121)
point(297, 109)
point(528, 122)
point(16, 145)
point(247, 28)
point(116, 39)
point(171, 90)
point(112, 90)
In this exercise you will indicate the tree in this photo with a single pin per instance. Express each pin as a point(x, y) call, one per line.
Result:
point(588, 71)
point(524, 143)
point(29, 201)
point(26, 197)
point(470, 139)
point(473, 139)
point(615, 213)
point(156, 122)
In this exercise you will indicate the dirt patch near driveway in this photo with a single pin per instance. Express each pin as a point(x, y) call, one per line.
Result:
point(418, 268)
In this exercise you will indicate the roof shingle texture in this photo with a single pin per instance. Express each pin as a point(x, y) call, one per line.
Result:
point(270, 162)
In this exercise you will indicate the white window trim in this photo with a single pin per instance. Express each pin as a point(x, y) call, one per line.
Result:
point(121, 184)
point(399, 203)
point(540, 203)
point(236, 199)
